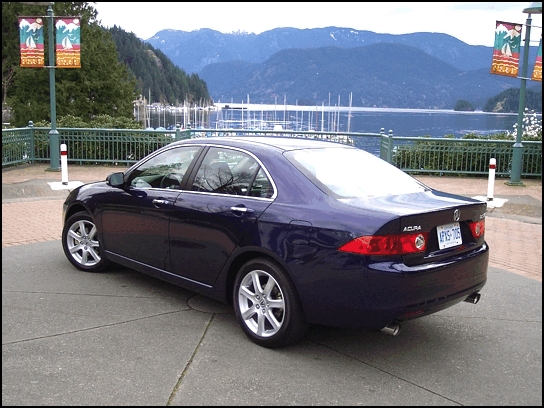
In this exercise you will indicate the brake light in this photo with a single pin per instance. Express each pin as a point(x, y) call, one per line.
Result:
point(477, 228)
point(387, 244)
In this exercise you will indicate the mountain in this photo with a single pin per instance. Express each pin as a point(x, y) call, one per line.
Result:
point(382, 75)
point(419, 70)
point(192, 51)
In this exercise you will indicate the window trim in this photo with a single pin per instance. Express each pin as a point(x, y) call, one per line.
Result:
point(200, 159)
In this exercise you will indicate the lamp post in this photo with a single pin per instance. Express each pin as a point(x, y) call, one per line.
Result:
point(517, 153)
point(53, 133)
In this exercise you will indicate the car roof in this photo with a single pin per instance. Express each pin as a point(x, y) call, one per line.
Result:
point(279, 142)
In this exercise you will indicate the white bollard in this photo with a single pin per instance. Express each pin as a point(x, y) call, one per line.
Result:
point(491, 181)
point(64, 163)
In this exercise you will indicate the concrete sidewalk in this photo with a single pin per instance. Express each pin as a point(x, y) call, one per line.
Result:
point(513, 225)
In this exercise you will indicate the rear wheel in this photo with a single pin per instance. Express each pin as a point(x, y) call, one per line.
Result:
point(81, 244)
point(267, 306)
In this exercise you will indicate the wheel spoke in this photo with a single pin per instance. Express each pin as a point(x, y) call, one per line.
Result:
point(92, 234)
point(276, 304)
point(84, 254)
point(248, 314)
point(74, 235)
point(261, 329)
point(91, 251)
point(272, 321)
point(74, 249)
point(244, 291)
point(81, 227)
point(270, 285)
point(256, 282)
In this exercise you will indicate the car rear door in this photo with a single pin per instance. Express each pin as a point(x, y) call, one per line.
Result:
point(228, 193)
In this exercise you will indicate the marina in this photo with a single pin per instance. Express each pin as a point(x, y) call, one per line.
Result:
point(402, 122)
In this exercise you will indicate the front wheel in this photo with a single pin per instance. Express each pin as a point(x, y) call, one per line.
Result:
point(81, 244)
point(267, 306)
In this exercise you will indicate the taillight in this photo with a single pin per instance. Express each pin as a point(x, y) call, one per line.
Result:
point(387, 244)
point(477, 228)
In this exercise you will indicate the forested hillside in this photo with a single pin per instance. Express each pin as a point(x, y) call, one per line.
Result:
point(158, 79)
point(508, 101)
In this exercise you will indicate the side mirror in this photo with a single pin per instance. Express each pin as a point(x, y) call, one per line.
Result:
point(116, 179)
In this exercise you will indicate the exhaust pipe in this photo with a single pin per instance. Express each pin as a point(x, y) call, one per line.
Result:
point(473, 298)
point(392, 329)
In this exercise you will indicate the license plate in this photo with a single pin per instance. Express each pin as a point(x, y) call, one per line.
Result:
point(449, 235)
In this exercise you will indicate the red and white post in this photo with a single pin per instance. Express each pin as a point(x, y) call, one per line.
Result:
point(64, 163)
point(491, 180)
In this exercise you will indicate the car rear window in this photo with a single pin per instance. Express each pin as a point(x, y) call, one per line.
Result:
point(352, 173)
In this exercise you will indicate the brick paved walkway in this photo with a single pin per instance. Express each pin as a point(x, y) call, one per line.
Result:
point(516, 246)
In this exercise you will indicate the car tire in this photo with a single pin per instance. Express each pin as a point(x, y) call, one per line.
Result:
point(267, 306)
point(81, 244)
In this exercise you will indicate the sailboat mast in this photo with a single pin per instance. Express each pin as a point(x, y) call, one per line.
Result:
point(349, 112)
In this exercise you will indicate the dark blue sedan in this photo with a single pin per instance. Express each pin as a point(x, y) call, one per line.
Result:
point(290, 231)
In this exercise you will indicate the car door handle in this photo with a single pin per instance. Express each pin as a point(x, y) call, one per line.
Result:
point(242, 209)
point(157, 202)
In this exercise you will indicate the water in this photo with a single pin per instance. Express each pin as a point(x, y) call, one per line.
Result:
point(435, 124)
point(403, 122)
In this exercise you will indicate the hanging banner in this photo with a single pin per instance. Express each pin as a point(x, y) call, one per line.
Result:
point(506, 50)
point(31, 43)
point(537, 71)
point(67, 42)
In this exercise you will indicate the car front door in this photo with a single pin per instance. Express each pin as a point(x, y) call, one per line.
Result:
point(135, 223)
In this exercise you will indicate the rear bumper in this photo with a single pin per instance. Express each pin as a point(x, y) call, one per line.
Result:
point(379, 293)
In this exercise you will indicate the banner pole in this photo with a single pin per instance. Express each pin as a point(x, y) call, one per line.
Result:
point(53, 133)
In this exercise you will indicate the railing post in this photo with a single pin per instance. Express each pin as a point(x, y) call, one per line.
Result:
point(390, 147)
point(386, 146)
point(32, 153)
point(383, 144)
point(178, 132)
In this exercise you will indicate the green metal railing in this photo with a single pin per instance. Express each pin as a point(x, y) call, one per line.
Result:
point(415, 155)
point(419, 155)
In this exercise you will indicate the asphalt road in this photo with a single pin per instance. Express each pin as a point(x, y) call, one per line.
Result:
point(123, 338)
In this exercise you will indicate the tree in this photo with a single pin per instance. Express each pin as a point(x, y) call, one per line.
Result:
point(102, 86)
point(462, 105)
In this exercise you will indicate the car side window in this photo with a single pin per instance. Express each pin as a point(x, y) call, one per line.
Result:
point(228, 171)
point(261, 186)
point(166, 170)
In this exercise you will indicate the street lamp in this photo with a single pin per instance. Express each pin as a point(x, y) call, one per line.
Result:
point(517, 153)
point(53, 133)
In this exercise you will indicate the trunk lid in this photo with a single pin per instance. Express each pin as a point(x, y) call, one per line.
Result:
point(444, 218)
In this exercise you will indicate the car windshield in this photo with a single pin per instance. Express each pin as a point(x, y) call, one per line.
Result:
point(352, 173)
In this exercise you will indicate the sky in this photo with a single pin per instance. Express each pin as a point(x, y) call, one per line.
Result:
point(471, 22)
